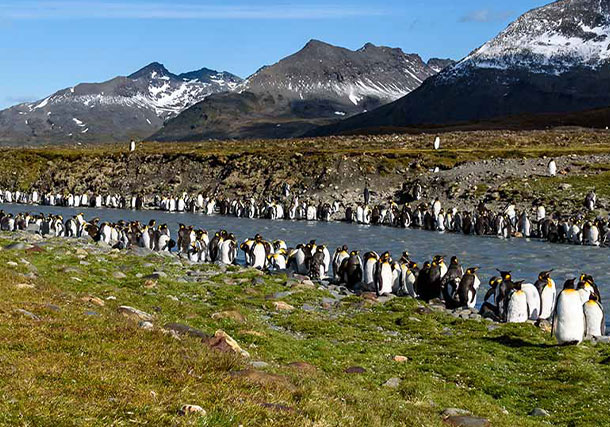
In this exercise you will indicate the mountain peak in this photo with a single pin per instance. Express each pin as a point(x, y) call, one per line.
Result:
point(154, 68)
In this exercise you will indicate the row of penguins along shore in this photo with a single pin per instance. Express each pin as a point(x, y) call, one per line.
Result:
point(507, 223)
point(575, 311)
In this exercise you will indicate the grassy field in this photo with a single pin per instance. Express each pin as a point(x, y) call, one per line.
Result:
point(80, 363)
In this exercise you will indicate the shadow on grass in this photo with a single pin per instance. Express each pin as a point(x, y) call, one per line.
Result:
point(515, 342)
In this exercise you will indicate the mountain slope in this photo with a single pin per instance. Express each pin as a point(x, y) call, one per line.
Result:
point(319, 84)
point(121, 108)
point(554, 59)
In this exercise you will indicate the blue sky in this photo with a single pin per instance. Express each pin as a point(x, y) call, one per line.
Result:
point(49, 45)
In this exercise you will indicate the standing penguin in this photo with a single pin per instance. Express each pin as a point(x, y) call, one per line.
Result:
point(569, 317)
point(317, 268)
point(338, 257)
point(533, 300)
point(132, 146)
point(552, 168)
point(351, 270)
point(370, 262)
point(548, 292)
point(594, 317)
point(259, 252)
point(467, 289)
point(517, 310)
point(437, 143)
point(384, 275)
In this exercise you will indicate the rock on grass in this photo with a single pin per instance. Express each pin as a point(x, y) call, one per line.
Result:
point(134, 313)
point(223, 342)
point(192, 409)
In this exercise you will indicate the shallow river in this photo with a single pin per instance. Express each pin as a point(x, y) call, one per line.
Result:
point(525, 258)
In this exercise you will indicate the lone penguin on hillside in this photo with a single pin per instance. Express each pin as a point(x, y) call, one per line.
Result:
point(437, 143)
point(132, 146)
point(552, 168)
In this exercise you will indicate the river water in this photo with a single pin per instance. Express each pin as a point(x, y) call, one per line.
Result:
point(525, 258)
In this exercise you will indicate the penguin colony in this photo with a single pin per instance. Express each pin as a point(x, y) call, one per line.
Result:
point(575, 311)
point(507, 223)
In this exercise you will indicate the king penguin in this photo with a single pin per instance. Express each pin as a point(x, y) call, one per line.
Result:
point(569, 317)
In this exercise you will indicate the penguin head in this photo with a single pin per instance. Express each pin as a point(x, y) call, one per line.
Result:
point(472, 270)
point(354, 253)
point(570, 284)
point(495, 281)
point(506, 275)
point(545, 276)
point(455, 260)
point(593, 297)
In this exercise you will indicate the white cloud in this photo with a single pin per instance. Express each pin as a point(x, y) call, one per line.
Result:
point(486, 15)
point(160, 10)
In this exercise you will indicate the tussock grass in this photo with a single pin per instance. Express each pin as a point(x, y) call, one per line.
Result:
point(71, 368)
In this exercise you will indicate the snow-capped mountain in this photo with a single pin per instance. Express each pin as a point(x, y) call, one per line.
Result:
point(318, 84)
point(121, 108)
point(553, 59)
point(551, 39)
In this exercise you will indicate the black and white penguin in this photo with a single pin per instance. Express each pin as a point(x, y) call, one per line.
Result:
point(351, 270)
point(552, 168)
point(467, 289)
point(594, 317)
point(569, 317)
point(259, 252)
point(517, 310)
point(503, 291)
point(370, 262)
point(384, 275)
point(317, 269)
point(451, 280)
point(533, 300)
point(548, 294)
point(338, 257)
point(428, 284)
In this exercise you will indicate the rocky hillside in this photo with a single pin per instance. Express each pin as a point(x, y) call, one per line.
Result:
point(121, 108)
point(319, 84)
point(554, 59)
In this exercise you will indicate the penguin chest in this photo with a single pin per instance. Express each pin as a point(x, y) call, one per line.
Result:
point(547, 302)
point(594, 317)
point(569, 323)
point(517, 308)
point(386, 277)
point(369, 269)
point(258, 256)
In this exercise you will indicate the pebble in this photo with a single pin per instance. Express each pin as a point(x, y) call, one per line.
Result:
point(148, 326)
point(27, 314)
point(454, 412)
point(119, 275)
point(91, 313)
point(392, 382)
point(258, 364)
point(12, 264)
point(282, 306)
point(400, 359)
point(355, 370)
point(134, 313)
point(15, 246)
point(539, 412)
point(192, 409)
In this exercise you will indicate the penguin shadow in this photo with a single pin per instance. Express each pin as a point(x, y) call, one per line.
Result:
point(514, 342)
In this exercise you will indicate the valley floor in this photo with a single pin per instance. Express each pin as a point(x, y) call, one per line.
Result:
point(71, 356)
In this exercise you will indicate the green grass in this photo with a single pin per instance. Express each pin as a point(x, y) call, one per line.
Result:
point(69, 368)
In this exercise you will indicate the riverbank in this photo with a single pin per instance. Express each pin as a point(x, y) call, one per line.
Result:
point(316, 356)
point(495, 166)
